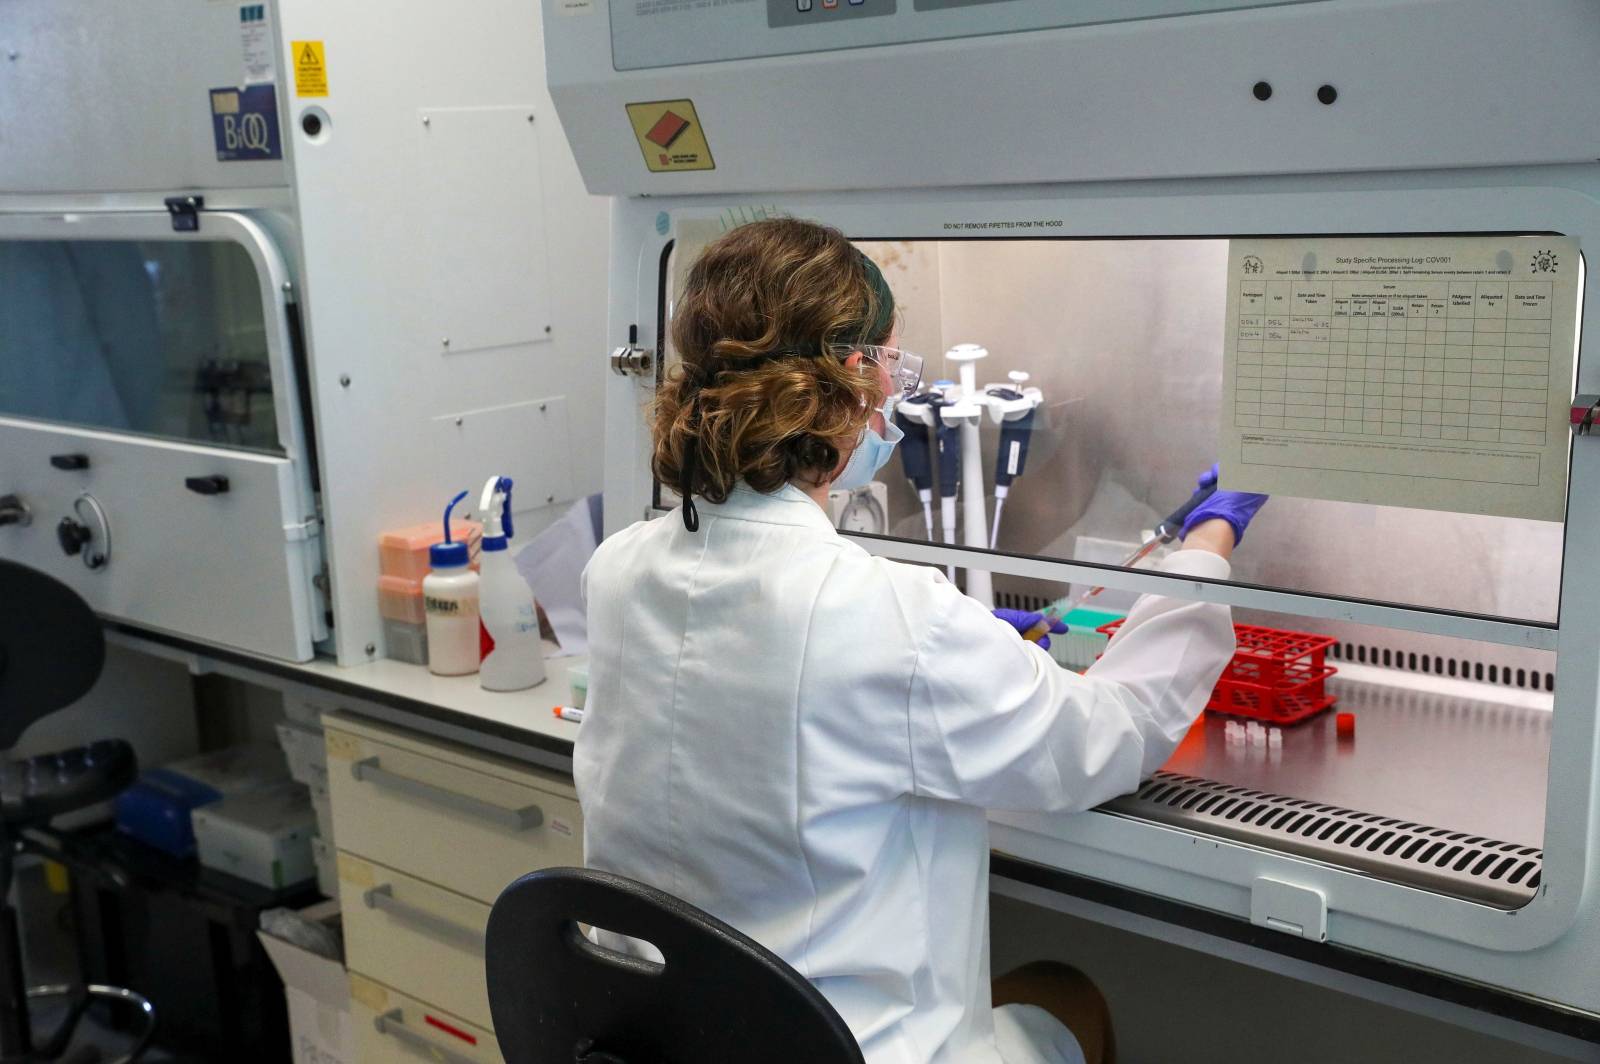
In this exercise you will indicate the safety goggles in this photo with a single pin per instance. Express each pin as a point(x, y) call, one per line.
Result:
point(903, 367)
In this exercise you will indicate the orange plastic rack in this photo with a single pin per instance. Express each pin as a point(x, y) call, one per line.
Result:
point(1276, 676)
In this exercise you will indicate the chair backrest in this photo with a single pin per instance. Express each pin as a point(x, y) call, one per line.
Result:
point(52, 648)
point(719, 996)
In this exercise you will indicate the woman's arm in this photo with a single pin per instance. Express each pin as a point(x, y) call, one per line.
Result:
point(995, 722)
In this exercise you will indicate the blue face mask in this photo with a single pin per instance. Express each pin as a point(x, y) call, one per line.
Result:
point(870, 455)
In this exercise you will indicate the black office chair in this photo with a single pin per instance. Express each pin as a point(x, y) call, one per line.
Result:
point(557, 998)
point(52, 649)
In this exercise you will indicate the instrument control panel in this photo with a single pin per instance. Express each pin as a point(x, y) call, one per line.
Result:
point(651, 34)
point(824, 12)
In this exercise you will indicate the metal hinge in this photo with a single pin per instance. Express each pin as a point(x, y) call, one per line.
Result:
point(310, 528)
point(1583, 413)
point(185, 212)
point(631, 361)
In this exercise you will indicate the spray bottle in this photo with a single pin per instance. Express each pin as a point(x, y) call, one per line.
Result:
point(512, 658)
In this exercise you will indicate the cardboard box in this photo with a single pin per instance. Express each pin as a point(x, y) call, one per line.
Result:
point(262, 835)
point(318, 994)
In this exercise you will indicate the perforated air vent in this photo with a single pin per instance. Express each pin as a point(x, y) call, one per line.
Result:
point(1496, 873)
point(1011, 600)
point(1438, 665)
point(1388, 657)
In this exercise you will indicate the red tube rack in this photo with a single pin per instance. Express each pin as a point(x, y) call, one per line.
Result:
point(1276, 676)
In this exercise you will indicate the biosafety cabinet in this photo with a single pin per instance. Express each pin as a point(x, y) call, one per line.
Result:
point(1321, 241)
point(274, 278)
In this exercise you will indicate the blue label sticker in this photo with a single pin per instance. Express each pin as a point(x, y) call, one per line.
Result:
point(244, 123)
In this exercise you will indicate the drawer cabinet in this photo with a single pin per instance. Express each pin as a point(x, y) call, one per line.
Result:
point(465, 821)
point(392, 1028)
point(415, 937)
point(429, 833)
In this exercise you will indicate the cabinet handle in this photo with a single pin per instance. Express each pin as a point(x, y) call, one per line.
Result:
point(212, 485)
point(370, 771)
point(392, 1024)
point(382, 898)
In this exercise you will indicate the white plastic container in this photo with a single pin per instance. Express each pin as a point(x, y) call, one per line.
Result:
point(450, 596)
point(306, 750)
point(322, 806)
point(512, 655)
point(324, 856)
point(578, 680)
point(263, 836)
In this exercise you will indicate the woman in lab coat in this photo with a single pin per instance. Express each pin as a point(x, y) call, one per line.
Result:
point(801, 738)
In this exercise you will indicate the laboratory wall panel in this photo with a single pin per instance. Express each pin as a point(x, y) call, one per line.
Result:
point(454, 272)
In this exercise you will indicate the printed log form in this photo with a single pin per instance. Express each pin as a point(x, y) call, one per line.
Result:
point(1431, 372)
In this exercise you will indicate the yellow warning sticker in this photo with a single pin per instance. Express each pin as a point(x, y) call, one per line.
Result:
point(342, 746)
point(369, 993)
point(355, 871)
point(310, 68)
point(670, 136)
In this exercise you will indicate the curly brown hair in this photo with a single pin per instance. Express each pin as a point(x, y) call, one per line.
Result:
point(767, 316)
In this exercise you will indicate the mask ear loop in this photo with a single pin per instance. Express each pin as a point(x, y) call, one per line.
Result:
point(691, 516)
point(691, 457)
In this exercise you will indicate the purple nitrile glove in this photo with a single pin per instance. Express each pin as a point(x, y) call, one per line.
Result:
point(1024, 622)
point(1235, 507)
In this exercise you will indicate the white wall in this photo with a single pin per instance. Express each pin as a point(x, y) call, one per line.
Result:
point(471, 226)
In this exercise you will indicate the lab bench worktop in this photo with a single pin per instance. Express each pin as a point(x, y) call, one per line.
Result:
point(1423, 744)
point(512, 723)
point(1422, 749)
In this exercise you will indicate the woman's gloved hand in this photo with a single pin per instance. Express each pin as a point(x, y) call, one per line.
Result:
point(1025, 622)
point(1235, 507)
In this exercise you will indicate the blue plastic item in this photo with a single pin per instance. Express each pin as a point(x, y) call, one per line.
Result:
point(948, 437)
point(914, 448)
point(496, 538)
point(449, 554)
point(155, 810)
point(1013, 453)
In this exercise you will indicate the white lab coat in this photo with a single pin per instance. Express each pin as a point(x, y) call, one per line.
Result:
point(801, 739)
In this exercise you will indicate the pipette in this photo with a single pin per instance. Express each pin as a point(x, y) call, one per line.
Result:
point(948, 438)
point(914, 452)
point(1015, 430)
point(1165, 532)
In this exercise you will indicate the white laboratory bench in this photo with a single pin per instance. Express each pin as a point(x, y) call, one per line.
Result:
point(437, 795)
point(496, 732)
point(515, 724)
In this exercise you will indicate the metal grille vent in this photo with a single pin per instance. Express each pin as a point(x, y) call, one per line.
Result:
point(1011, 600)
point(1496, 873)
point(1460, 668)
point(1437, 665)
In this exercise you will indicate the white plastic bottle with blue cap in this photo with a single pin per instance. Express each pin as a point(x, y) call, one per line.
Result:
point(512, 656)
point(450, 601)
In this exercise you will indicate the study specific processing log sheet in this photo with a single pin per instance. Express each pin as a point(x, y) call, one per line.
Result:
point(1433, 372)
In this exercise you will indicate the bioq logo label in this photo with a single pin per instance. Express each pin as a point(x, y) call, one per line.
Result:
point(246, 132)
